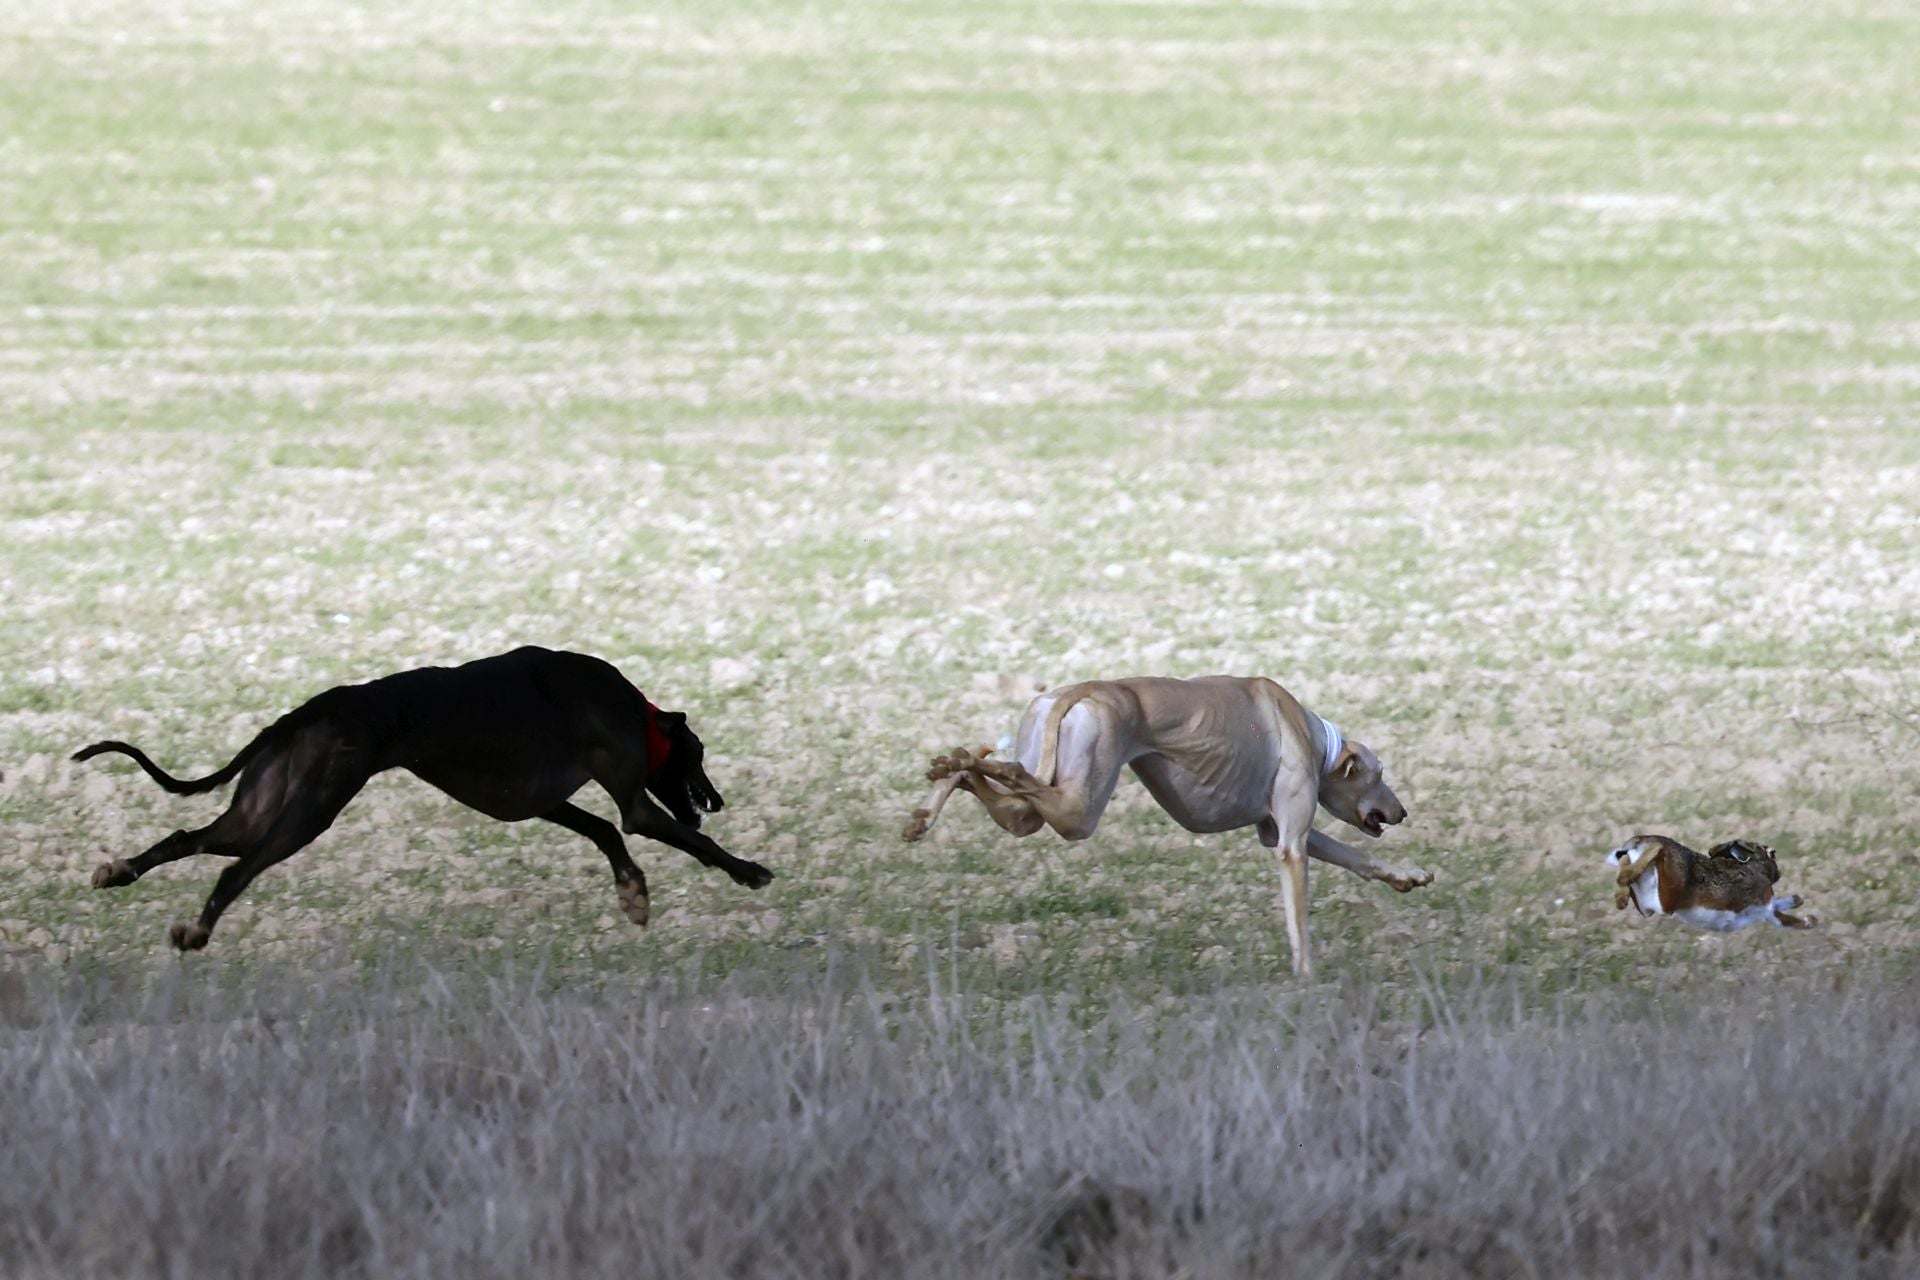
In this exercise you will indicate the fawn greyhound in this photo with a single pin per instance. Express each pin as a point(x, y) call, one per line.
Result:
point(1218, 753)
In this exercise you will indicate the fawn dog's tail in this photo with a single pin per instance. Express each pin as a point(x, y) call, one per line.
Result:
point(1050, 733)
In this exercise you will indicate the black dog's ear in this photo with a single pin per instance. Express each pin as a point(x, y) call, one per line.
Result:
point(674, 717)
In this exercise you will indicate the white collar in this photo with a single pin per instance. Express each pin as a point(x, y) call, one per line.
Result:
point(1335, 740)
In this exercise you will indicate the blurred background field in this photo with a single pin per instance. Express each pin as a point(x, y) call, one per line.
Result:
point(1529, 387)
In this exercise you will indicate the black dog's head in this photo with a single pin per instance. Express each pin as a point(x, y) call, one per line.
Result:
point(680, 782)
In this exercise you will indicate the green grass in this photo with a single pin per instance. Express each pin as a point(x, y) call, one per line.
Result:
point(1526, 387)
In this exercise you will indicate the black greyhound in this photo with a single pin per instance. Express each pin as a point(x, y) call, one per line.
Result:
point(513, 736)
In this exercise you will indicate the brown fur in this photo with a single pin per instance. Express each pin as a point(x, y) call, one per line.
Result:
point(1731, 876)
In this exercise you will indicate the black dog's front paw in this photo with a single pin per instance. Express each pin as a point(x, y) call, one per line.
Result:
point(111, 875)
point(751, 874)
point(188, 935)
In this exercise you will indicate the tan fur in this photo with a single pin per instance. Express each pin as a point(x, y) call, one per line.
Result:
point(1219, 753)
point(1294, 717)
point(1064, 701)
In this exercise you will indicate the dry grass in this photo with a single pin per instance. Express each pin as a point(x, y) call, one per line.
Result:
point(421, 1123)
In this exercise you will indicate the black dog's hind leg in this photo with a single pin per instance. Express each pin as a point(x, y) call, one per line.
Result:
point(627, 877)
point(313, 798)
point(256, 805)
point(124, 871)
point(243, 825)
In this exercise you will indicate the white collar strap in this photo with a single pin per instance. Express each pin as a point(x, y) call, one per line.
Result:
point(1331, 732)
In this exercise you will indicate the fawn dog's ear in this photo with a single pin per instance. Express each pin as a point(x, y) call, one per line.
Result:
point(1346, 762)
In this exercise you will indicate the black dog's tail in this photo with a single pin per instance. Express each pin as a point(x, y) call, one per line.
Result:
point(179, 786)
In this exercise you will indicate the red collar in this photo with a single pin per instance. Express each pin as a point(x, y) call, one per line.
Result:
point(659, 745)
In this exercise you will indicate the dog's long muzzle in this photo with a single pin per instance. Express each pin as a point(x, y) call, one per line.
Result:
point(1378, 821)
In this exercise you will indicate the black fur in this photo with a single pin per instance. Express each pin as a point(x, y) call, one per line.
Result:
point(513, 736)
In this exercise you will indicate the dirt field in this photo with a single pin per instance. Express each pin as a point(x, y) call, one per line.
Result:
point(1529, 388)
